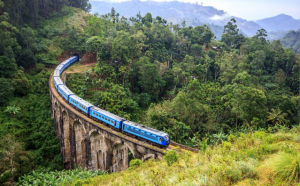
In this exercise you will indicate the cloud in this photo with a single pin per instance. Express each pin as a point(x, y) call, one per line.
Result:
point(220, 17)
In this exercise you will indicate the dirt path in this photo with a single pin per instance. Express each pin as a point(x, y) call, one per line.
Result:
point(80, 68)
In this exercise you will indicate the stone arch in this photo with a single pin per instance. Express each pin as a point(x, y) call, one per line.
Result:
point(66, 138)
point(80, 143)
point(57, 118)
point(120, 156)
point(95, 144)
point(132, 149)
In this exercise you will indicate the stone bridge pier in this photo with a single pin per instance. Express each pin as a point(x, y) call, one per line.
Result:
point(86, 143)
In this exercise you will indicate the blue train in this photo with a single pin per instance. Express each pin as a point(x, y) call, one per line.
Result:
point(128, 127)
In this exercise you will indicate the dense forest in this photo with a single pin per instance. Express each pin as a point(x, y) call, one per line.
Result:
point(292, 40)
point(171, 77)
point(26, 49)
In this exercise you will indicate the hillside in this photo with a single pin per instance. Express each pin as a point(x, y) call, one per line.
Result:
point(195, 14)
point(280, 22)
point(292, 40)
point(226, 97)
point(245, 159)
point(30, 45)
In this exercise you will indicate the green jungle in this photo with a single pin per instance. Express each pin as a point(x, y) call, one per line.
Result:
point(235, 99)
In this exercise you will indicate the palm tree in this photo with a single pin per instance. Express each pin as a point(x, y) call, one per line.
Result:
point(277, 117)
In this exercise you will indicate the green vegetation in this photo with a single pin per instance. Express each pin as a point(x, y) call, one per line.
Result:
point(174, 78)
point(28, 45)
point(242, 159)
point(57, 177)
point(180, 80)
point(171, 157)
point(135, 163)
point(292, 40)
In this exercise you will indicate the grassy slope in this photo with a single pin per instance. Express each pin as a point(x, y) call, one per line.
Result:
point(56, 27)
point(249, 159)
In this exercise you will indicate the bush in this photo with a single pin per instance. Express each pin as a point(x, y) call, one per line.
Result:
point(233, 175)
point(135, 163)
point(287, 166)
point(171, 157)
point(57, 177)
point(226, 145)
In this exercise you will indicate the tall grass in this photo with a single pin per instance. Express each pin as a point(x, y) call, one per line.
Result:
point(258, 158)
point(282, 167)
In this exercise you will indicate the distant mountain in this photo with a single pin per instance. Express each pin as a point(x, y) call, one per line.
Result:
point(280, 22)
point(172, 11)
point(292, 40)
point(195, 14)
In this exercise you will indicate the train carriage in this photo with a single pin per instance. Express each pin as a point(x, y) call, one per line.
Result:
point(146, 133)
point(65, 64)
point(64, 91)
point(115, 121)
point(81, 104)
point(57, 81)
point(60, 68)
point(106, 117)
point(56, 73)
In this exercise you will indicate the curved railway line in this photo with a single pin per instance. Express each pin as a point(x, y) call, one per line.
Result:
point(172, 146)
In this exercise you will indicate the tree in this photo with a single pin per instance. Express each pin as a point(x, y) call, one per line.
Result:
point(7, 67)
point(12, 154)
point(83, 4)
point(262, 35)
point(147, 19)
point(231, 36)
point(6, 90)
point(245, 102)
point(276, 117)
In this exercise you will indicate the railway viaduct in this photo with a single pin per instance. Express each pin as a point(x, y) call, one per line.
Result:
point(89, 144)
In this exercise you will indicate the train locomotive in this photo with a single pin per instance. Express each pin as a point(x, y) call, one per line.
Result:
point(118, 123)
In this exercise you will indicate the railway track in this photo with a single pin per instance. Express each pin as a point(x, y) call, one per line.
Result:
point(173, 145)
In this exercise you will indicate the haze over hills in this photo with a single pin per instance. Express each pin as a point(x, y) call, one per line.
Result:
point(195, 14)
point(280, 22)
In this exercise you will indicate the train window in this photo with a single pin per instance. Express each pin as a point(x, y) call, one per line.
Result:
point(160, 139)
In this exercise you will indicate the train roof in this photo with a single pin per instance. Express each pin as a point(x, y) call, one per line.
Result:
point(142, 127)
point(111, 115)
point(82, 101)
point(66, 61)
point(56, 73)
point(58, 80)
point(59, 67)
point(66, 89)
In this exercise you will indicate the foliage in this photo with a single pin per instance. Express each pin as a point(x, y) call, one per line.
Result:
point(292, 40)
point(173, 78)
point(171, 157)
point(135, 163)
point(12, 156)
point(245, 163)
point(41, 177)
point(283, 166)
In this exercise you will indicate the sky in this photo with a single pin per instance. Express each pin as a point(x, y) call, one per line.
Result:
point(247, 9)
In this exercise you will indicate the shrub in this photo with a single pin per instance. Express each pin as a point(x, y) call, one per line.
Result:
point(226, 145)
point(135, 163)
point(247, 169)
point(41, 177)
point(233, 174)
point(287, 166)
point(231, 138)
point(171, 157)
